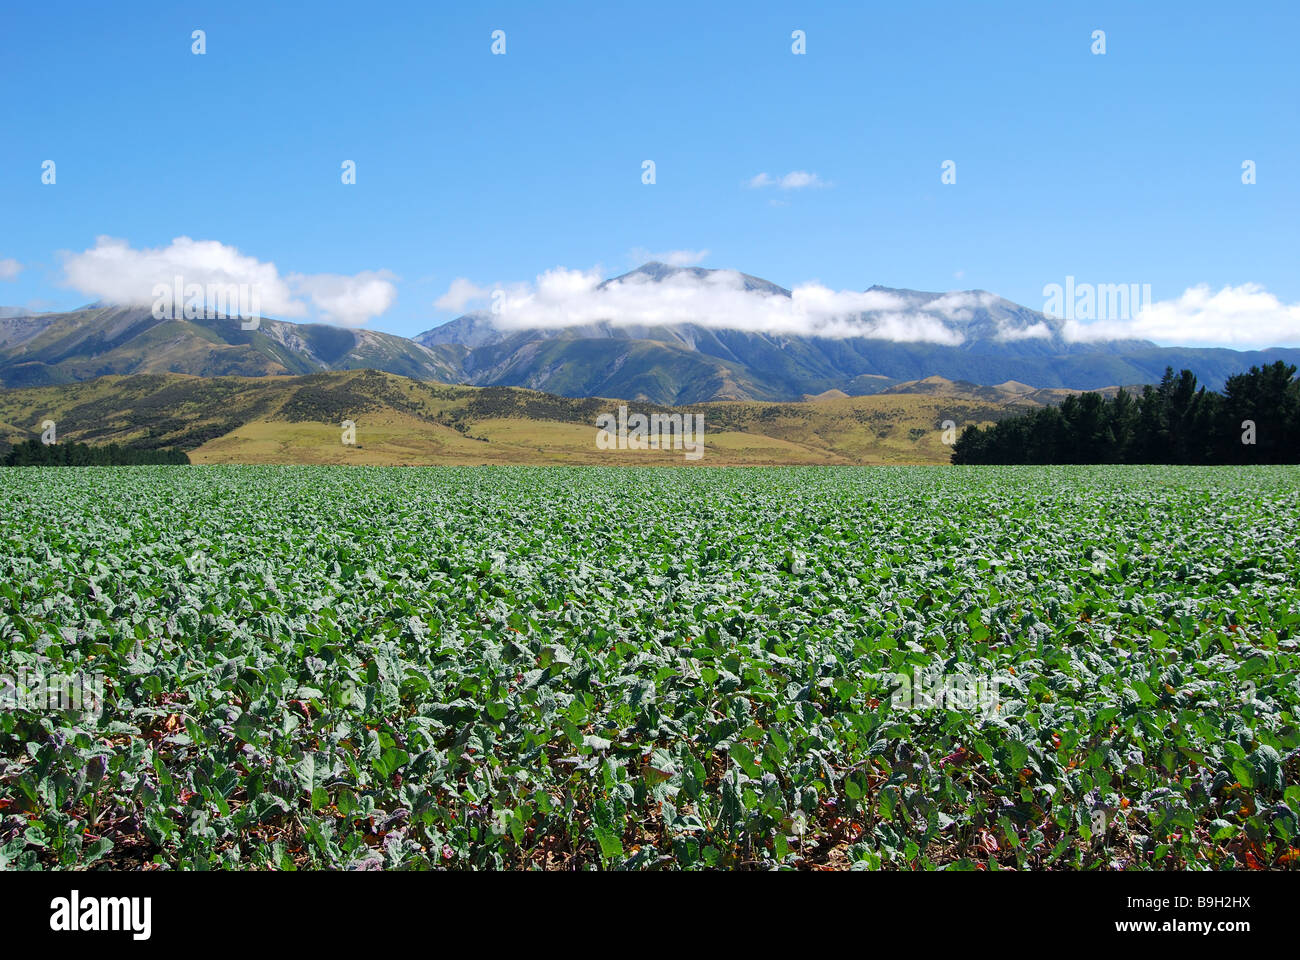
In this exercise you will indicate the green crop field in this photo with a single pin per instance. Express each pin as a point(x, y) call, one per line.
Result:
point(567, 668)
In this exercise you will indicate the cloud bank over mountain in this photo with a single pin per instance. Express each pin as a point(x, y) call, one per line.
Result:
point(674, 292)
point(718, 299)
point(660, 294)
point(659, 333)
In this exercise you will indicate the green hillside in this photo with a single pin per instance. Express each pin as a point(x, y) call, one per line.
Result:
point(404, 421)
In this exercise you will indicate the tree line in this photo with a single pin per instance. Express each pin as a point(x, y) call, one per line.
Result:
point(33, 453)
point(1256, 419)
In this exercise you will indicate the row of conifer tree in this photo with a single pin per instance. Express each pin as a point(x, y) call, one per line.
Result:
point(1255, 419)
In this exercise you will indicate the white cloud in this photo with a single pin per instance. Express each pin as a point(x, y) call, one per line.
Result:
point(9, 268)
point(461, 292)
point(562, 298)
point(1242, 316)
point(115, 272)
point(348, 301)
point(799, 179)
point(1035, 331)
point(961, 305)
point(674, 258)
point(794, 180)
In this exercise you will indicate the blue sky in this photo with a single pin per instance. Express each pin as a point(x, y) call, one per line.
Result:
point(1120, 168)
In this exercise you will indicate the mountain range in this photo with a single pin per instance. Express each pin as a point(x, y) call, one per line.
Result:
point(989, 340)
point(106, 340)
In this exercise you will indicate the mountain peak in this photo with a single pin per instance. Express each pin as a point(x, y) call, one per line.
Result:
point(658, 271)
point(658, 267)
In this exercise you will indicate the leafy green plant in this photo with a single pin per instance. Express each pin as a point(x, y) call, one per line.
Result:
point(649, 669)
